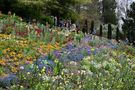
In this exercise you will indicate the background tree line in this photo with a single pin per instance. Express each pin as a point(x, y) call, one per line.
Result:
point(91, 9)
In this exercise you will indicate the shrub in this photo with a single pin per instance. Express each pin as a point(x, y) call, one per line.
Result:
point(48, 19)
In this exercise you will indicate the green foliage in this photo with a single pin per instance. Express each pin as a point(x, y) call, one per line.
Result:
point(109, 15)
point(108, 73)
point(1, 70)
point(30, 9)
point(58, 67)
point(48, 19)
point(9, 30)
point(129, 22)
point(92, 11)
point(61, 8)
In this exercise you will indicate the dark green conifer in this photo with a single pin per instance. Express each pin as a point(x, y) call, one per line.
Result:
point(92, 27)
point(109, 31)
point(117, 34)
point(101, 31)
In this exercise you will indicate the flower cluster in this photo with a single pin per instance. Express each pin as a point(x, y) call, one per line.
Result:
point(65, 60)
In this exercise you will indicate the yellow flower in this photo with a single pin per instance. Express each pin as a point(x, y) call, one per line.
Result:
point(15, 59)
point(28, 57)
point(17, 63)
point(40, 74)
point(2, 62)
point(12, 53)
point(28, 73)
point(114, 53)
point(21, 87)
point(49, 47)
point(25, 45)
point(8, 49)
point(43, 70)
point(56, 61)
point(57, 46)
point(42, 46)
point(19, 55)
point(14, 70)
point(92, 49)
point(4, 51)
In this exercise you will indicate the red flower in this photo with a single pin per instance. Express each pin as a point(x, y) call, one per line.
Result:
point(38, 31)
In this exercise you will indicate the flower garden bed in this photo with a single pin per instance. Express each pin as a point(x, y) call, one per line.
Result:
point(59, 60)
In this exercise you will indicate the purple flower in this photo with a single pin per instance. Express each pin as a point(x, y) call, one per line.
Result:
point(70, 46)
point(88, 50)
point(57, 53)
point(87, 39)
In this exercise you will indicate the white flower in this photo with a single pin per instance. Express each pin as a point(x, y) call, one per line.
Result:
point(83, 72)
point(73, 63)
point(21, 67)
point(78, 72)
point(98, 66)
point(46, 78)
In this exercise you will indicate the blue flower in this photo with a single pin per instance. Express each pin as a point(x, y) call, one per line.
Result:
point(86, 39)
point(8, 80)
point(70, 46)
point(57, 54)
point(79, 57)
point(88, 51)
point(95, 52)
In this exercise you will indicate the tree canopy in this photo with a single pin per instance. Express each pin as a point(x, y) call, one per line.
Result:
point(108, 11)
point(39, 8)
point(129, 24)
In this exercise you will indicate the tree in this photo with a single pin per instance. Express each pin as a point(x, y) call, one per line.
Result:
point(109, 31)
point(64, 8)
point(108, 11)
point(129, 24)
point(90, 10)
point(7, 5)
point(92, 27)
point(40, 8)
point(117, 34)
point(101, 31)
point(24, 8)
